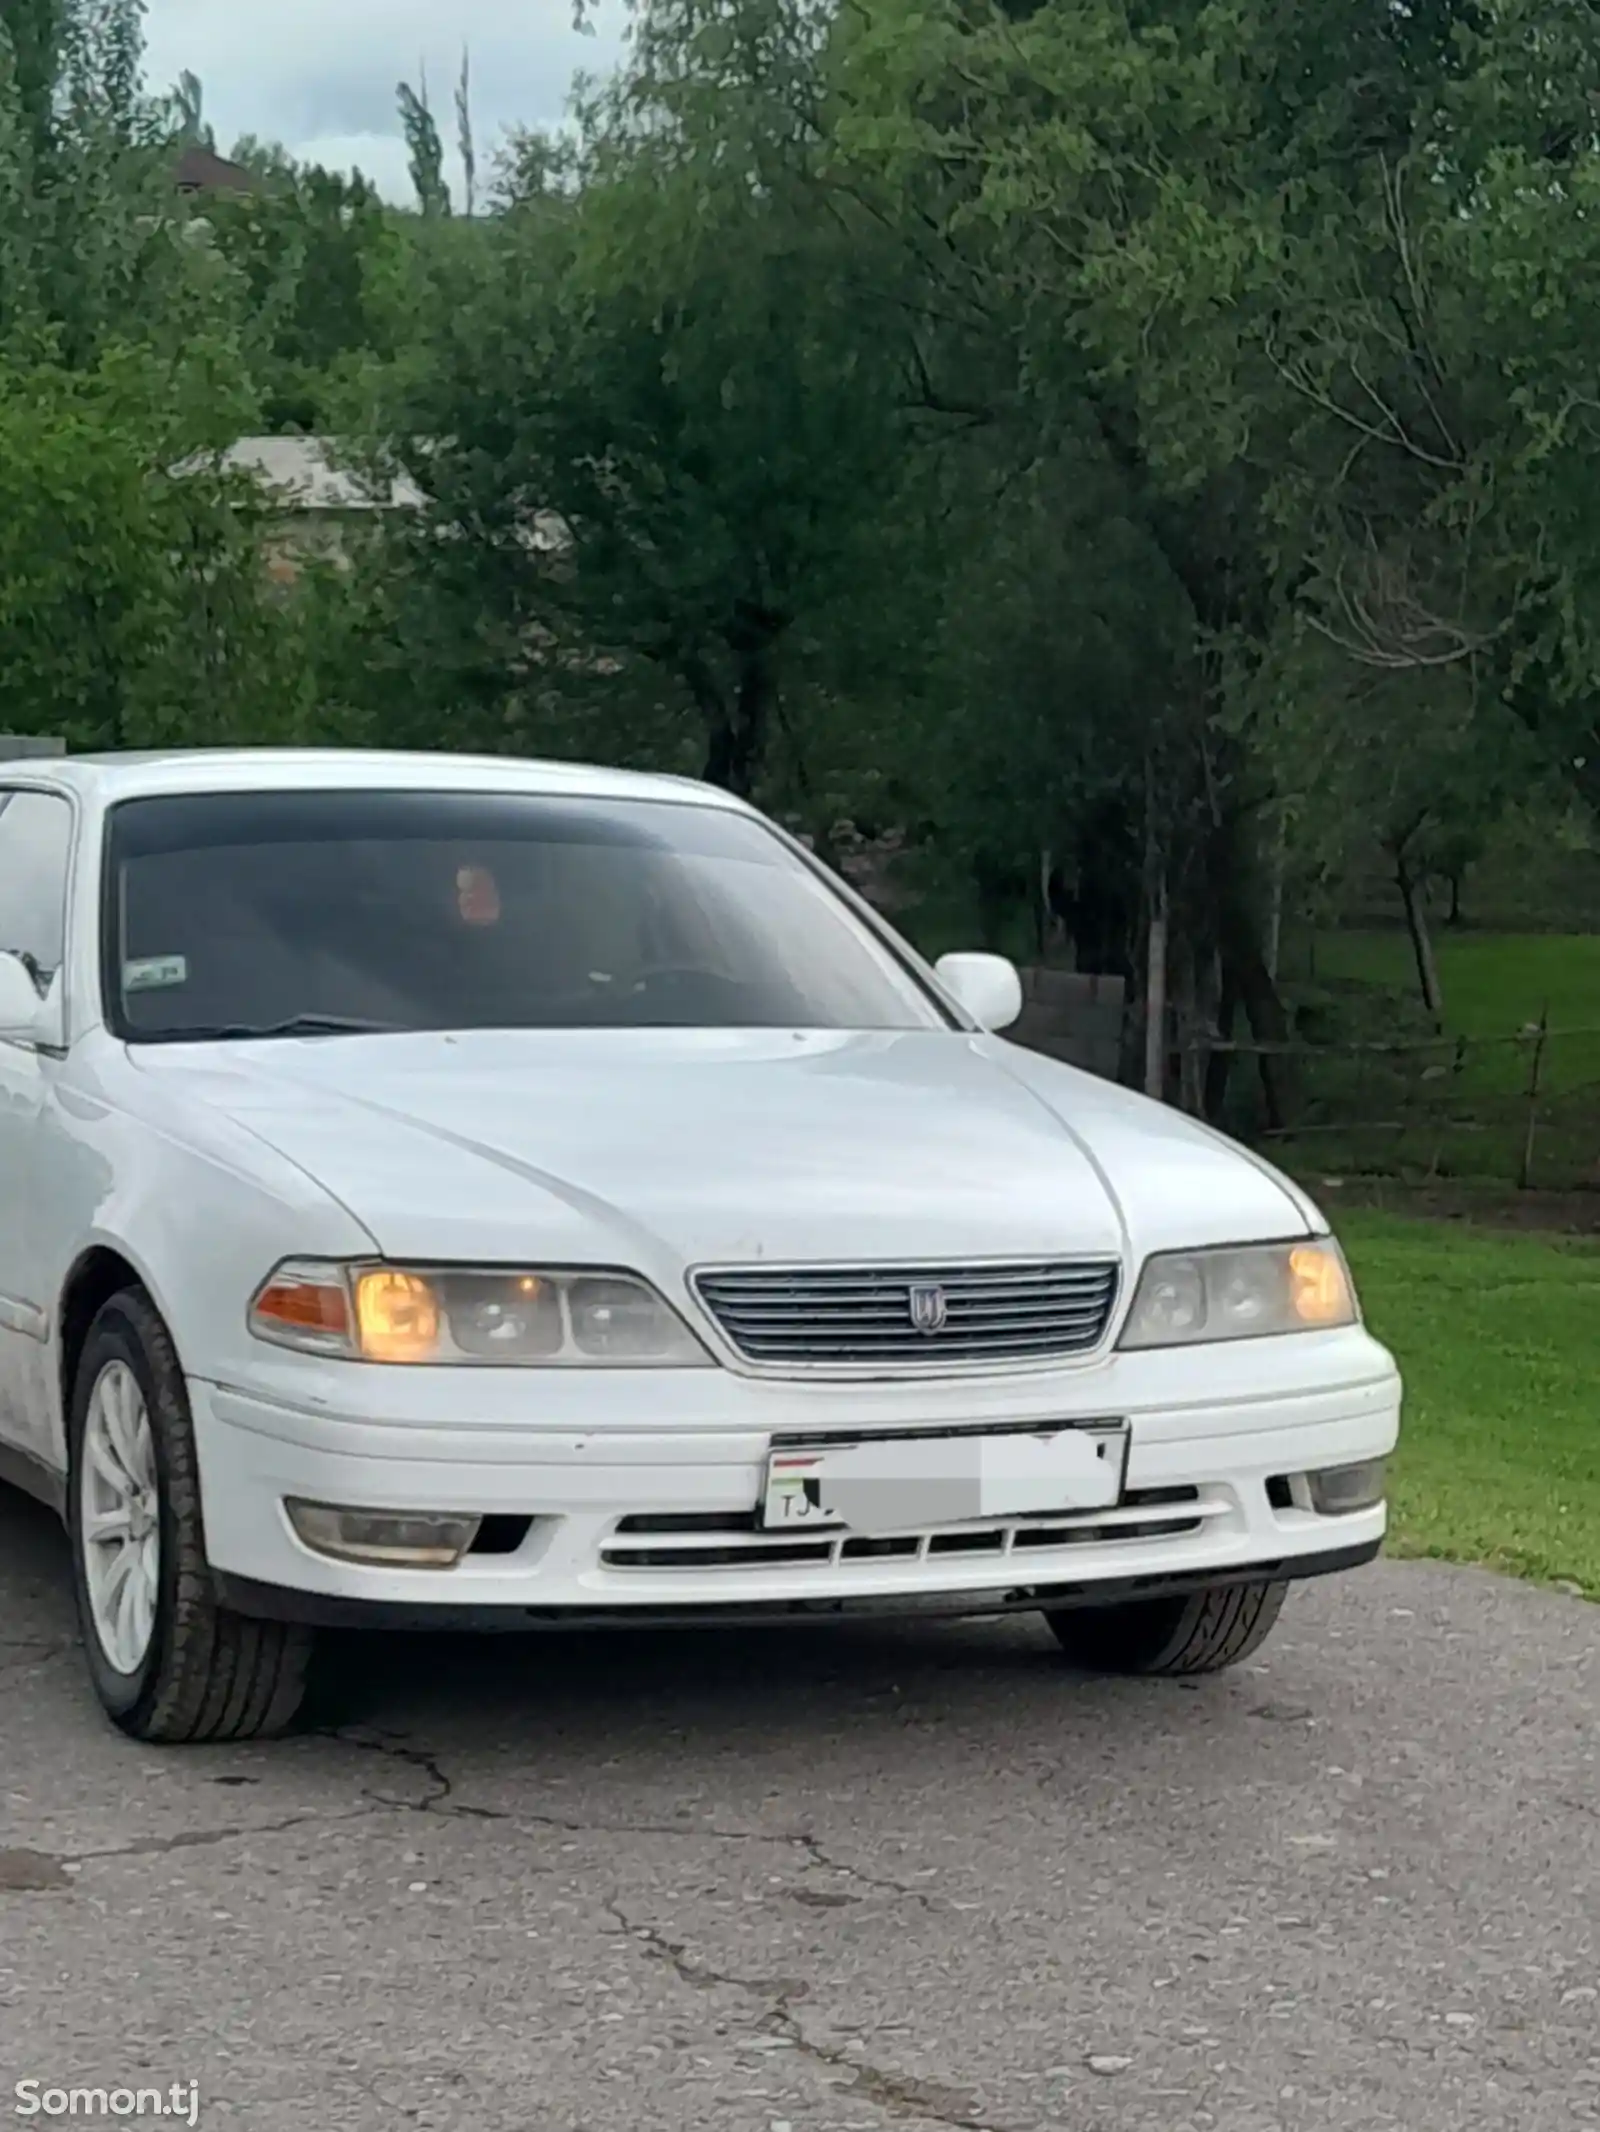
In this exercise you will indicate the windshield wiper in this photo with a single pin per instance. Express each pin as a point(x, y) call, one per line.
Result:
point(295, 1025)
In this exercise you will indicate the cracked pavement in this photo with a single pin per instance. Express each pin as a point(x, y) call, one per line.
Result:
point(831, 1881)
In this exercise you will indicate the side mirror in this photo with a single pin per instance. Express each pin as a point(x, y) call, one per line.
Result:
point(986, 985)
point(25, 1018)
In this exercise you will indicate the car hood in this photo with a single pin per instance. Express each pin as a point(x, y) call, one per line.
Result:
point(667, 1149)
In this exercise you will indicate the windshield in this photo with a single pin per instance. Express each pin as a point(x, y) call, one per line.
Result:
point(308, 913)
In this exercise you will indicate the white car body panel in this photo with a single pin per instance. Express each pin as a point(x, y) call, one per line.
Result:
point(703, 1147)
point(661, 1151)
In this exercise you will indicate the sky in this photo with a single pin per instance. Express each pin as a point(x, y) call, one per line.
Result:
point(320, 75)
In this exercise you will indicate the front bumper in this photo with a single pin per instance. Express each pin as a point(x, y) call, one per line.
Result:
point(639, 1490)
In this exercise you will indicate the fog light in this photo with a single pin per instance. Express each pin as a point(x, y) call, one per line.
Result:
point(1338, 1490)
point(402, 1539)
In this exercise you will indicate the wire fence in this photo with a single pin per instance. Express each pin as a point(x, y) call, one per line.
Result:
point(1520, 1110)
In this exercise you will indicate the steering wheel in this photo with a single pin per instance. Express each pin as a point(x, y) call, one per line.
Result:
point(602, 993)
point(671, 973)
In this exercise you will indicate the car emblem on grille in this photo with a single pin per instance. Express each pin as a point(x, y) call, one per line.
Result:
point(929, 1308)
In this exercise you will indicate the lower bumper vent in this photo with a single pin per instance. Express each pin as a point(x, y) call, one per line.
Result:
point(730, 1540)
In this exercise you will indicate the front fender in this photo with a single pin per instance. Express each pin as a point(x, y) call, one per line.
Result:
point(199, 1208)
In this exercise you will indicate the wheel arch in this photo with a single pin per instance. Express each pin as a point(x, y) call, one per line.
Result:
point(102, 1269)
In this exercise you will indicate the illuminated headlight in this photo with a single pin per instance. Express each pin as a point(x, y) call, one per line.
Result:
point(1242, 1293)
point(512, 1318)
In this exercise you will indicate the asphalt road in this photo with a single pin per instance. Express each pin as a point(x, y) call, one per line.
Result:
point(832, 1882)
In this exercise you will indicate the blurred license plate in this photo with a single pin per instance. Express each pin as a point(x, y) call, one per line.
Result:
point(902, 1483)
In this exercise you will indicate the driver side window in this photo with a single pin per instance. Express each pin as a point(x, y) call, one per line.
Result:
point(35, 845)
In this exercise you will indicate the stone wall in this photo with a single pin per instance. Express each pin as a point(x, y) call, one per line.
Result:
point(1074, 1018)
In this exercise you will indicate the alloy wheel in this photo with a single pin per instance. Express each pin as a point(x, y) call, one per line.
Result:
point(121, 1517)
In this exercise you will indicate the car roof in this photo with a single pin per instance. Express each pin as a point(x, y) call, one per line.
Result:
point(157, 772)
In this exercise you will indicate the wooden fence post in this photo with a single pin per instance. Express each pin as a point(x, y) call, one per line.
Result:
point(1155, 998)
point(1535, 1077)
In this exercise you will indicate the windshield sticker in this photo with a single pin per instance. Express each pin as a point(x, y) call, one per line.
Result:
point(155, 973)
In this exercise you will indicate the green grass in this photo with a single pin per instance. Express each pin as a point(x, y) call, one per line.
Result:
point(1459, 1115)
point(1499, 1340)
point(1494, 984)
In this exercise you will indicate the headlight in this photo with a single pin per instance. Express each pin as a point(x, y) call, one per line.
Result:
point(1242, 1293)
point(550, 1318)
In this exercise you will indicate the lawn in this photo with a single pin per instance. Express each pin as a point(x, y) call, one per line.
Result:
point(1494, 984)
point(1428, 1110)
point(1499, 1339)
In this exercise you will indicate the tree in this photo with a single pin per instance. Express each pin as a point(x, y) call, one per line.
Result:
point(1273, 237)
point(31, 35)
point(268, 160)
point(189, 101)
point(133, 607)
point(425, 150)
point(465, 137)
point(663, 372)
point(93, 253)
point(315, 252)
point(1205, 225)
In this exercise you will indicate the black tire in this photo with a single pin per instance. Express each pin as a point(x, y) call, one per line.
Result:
point(1199, 1632)
point(209, 1674)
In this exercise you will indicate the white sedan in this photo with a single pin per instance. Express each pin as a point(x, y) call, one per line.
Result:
point(469, 1193)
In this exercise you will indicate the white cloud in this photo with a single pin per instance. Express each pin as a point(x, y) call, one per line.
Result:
point(320, 75)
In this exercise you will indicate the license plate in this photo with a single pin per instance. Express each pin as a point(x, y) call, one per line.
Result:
point(904, 1483)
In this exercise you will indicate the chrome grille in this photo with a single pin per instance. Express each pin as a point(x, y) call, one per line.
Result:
point(813, 1316)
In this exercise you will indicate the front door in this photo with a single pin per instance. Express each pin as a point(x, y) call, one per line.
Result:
point(35, 848)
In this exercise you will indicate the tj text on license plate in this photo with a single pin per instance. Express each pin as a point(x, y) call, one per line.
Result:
point(900, 1483)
